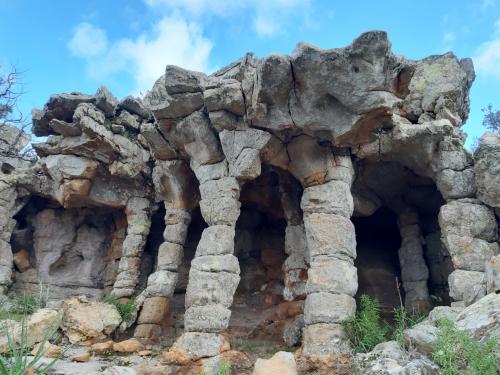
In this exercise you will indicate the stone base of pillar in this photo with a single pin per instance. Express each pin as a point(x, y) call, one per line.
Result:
point(192, 346)
point(325, 350)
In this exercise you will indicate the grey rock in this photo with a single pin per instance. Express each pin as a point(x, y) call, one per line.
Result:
point(328, 308)
point(216, 263)
point(64, 128)
point(467, 286)
point(456, 184)
point(212, 318)
point(216, 240)
point(333, 197)
point(487, 169)
point(117, 129)
point(227, 96)
point(134, 106)
point(208, 288)
point(333, 276)
point(329, 235)
point(105, 101)
point(178, 80)
point(200, 345)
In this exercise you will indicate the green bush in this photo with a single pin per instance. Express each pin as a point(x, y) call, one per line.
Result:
point(457, 353)
point(365, 329)
point(125, 309)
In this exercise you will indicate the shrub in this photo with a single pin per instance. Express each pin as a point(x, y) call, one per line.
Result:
point(365, 329)
point(125, 309)
point(457, 353)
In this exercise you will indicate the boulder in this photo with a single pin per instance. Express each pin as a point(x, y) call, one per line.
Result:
point(89, 322)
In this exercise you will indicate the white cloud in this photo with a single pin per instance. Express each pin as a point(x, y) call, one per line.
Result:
point(268, 17)
point(87, 40)
point(487, 59)
point(173, 40)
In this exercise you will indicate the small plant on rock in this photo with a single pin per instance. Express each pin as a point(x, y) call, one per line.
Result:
point(457, 353)
point(125, 309)
point(224, 369)
point(365, 329)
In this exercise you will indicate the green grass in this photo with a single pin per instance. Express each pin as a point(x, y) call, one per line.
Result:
point(125, 309)
point(224, 369)
point(14, 307)
point(403, 320)
point(365, 330)
point(457, 353)
point(18, 359)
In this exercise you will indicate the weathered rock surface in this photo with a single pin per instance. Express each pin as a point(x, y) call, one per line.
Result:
point(280, 363)
point(89, 322)
point(149, 198)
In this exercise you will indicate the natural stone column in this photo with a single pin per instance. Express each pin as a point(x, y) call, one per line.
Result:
point(414, 270)
point(332, 278)
point(214, 273)
point(295, 265)
point(161, 283)
point(8, 197)
point(469, 233)
point(138, 225)
point(468, 227)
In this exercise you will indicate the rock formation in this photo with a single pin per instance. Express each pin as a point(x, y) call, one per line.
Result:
point(243, 192)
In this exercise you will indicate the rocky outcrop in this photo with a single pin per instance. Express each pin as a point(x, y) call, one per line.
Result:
point(253, 174)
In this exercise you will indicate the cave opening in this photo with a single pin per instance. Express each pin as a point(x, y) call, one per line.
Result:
point(378, 241)
point(385, 192)
point(69, 251)
point(259, 309)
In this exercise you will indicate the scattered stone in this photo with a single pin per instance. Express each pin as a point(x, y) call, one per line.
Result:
point(128, 346)
point(83, 357)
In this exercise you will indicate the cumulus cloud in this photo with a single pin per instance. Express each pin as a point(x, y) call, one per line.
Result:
point(487, 59)
point(173, 40)
point(87, 40)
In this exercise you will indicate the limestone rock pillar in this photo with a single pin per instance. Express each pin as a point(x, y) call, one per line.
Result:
point(414, 270)
point(469, 233)
point(138, 225)
point(468, 227)
point(332, 277)
point(214, 273)
point(295, 265)
point(8, 197)
point(161, 283)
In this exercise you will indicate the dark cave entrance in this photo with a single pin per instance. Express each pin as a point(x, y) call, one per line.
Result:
point(378, 242)
point(260, 248)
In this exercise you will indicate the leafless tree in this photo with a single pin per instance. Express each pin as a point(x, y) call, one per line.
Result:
point(491, 119)
point(11, 90)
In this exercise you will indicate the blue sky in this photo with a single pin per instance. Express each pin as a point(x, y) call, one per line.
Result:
point(68, 46)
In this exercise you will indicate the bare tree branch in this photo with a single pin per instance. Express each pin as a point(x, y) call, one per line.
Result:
point(11, 90)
